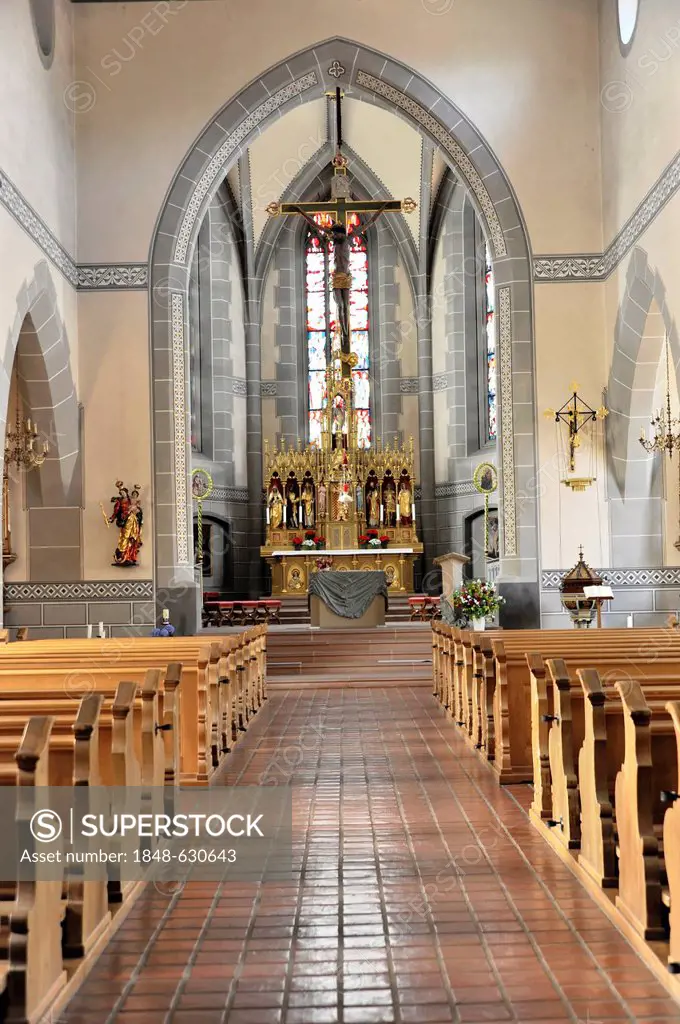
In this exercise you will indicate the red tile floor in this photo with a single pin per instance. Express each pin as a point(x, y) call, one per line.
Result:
point(420, 894)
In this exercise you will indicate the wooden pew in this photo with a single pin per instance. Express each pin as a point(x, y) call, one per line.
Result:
point(34, 969)
point(517, 715)
point(203, 692)
point(558, 721)
point(671, 845)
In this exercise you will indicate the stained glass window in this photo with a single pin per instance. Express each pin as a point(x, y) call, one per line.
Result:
point(321, 322)
point(491, 369)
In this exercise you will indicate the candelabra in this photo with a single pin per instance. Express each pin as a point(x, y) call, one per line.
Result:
point(23, 450)
point(666, 428)
point(22, 447)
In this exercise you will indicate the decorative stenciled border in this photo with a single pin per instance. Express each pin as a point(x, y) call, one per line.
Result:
point(91, 590)
point(408, 386)
point(180, 427)
point(446, 140)
point(454, 490)
point(112, 276)
point(239, 386)
point(597, 267)
point(233, 495)
point(668, 576)
point(507, 440)
point(269, 388)
point(34, 226)
point(440, 381)
point(231, 144)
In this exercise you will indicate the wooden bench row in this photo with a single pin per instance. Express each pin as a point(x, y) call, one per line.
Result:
point(593, 721)
point(66, 718)
point(223, 682)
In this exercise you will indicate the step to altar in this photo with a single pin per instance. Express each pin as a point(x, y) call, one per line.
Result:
point(300, 657)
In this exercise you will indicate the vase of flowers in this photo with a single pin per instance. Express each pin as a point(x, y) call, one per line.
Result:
point(297, 543)
point(374, 542)
point(320, 543)
point(474, 602)
point(384, 541)
point(363, 540)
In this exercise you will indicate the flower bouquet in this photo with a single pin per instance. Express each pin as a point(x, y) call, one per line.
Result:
point(325, 562)
point(384, 540)
point(297, 543)
point(363, 540)
point(474, 602)
point(320, 543)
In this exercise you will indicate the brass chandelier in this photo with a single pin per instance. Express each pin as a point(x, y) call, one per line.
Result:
point(23, 448)
point(666, 428)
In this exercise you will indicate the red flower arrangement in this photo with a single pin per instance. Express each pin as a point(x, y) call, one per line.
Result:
point(297, 543)
point(363, 539)
point(384, 540)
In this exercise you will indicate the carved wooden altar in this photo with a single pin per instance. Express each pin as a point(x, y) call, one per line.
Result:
point(324, 501)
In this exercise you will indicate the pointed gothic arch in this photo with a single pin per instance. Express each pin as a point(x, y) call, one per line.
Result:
point(372, 77)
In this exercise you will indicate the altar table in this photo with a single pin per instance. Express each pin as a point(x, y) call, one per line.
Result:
point(292, 570)
point(348, 600)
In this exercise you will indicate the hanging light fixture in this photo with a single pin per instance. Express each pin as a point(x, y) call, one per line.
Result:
point(23, 448)
point(666, 428)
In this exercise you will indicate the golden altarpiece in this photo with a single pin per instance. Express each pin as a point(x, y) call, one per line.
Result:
point(347, 498)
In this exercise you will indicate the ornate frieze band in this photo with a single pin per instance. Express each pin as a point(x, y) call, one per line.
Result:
point(597, 267)
point(665, 576)
point(455, 490)
point(507, 439)
point(230, 495)
point(230, 146)
point(180, 427)
point(446, 140)
point(91, 590)
point(547, 268)
point(34, 226)
point(113, 276)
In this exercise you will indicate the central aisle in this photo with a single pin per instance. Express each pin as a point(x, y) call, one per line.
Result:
point(421, 895)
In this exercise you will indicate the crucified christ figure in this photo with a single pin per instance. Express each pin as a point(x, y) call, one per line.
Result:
point(342, 278)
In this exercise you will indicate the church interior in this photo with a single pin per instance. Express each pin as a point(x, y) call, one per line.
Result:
point(341, 499)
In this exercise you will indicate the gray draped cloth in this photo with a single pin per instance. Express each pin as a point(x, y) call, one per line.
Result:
point(348, 594)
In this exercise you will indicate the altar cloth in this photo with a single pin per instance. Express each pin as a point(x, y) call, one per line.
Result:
point(348, 594)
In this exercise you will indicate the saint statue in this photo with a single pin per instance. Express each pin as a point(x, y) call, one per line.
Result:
point(373, 507)
point(360, 499)
point(308, 503)
point(128, 516)
point(275, 507)
point(293, 502)
point(405, 504)
point(390, 507)
point(344, 502)
point(338, 426)
point(321, 498)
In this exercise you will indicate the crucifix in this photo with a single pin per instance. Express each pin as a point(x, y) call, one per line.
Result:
point(341, 207)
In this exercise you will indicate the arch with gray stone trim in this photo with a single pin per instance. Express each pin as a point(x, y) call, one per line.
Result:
point(39, 344)
point(372, 77)
point(634, 478)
